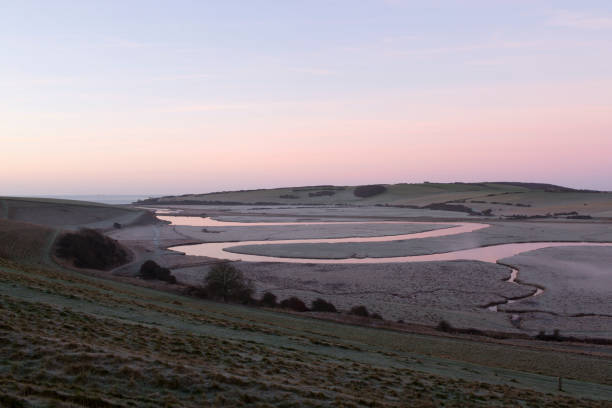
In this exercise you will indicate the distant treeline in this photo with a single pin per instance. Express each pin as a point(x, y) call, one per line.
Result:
point(369, 191)
point(437, 207)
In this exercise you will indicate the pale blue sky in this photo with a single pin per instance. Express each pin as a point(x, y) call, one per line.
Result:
point(180, 96)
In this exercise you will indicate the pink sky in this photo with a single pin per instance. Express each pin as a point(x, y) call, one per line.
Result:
point(379, 93)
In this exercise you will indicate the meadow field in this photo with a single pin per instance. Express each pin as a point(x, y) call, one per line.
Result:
point(70, 339)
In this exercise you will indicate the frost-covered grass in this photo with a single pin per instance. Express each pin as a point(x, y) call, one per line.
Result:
point(68, 339)
point(24, 241)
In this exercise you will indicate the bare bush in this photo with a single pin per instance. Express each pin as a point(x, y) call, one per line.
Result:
point(369, 191)
point(294, 303)
point(268, 299)
point(224, 281)
point(321, 305)
point(151, 270)
point(88, 248)
point(359, 311)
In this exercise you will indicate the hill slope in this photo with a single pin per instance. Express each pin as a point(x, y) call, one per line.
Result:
point(69, 214)
point(502, 198)
point(68, 339)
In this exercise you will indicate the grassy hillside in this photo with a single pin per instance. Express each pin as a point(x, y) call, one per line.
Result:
point(24, 241)
point(68, 214)
point(501, 198)
point(68, 339)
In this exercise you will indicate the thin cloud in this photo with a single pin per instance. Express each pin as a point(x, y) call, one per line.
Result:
point(21, 82)
point(314, 71)
point(487, 62)
point(182, 77)
point(585, 21)
point(129, 44)
point(399, 38)
point(455, 49)
point(206, 108)
point(468, 48)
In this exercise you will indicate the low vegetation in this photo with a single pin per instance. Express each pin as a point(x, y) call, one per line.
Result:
point(369, 191)
point(23, 241)
point(444, 326)
point(151, 270)
point(557, 336)
point(451, 207)
point(268, 300)
point(294, 303)
point(321, 305)
point(322, 193)
point(359, 311)
point(87, 248)
point(226, 282)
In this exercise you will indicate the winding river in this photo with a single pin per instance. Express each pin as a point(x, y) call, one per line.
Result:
point(492, 253)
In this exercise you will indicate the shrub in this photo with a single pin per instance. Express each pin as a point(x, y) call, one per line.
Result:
point(90, 249)
point(450, 207)
point(226, 282)
point(320, 305)
point(151, 270)
point(369, 191)
point(376, 316)
point(196, 291)
point(322, 193)
point(444, 326)
point(294, 303)
point(359, 311)
point(556, 336)
point(116, 225)
point(268, 299)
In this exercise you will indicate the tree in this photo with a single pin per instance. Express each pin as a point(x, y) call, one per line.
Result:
point(359, 311)
point(226, 282)
point(321, 305)
point(268, 299)
point(369, 191)
point(151, 270)
point(444, 326)
point(88, 248)
point(294, 303)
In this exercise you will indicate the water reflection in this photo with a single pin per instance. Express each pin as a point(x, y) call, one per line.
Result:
point(486, 254)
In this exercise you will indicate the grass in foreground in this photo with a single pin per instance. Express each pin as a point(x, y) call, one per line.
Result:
point(68, 339)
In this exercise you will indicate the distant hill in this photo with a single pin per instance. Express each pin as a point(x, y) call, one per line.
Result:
point(70, 214)
point(545, 187)
point(502, 198)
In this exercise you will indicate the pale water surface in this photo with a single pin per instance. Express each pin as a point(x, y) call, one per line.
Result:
point(486, 254)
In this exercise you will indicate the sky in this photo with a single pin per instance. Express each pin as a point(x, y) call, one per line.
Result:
point(172, 97)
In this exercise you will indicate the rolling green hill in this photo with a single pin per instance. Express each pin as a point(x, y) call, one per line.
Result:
point(69, 214)
point(502, 198)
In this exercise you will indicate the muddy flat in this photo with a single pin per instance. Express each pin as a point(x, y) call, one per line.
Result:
point(577, 297)
point(424, 291)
